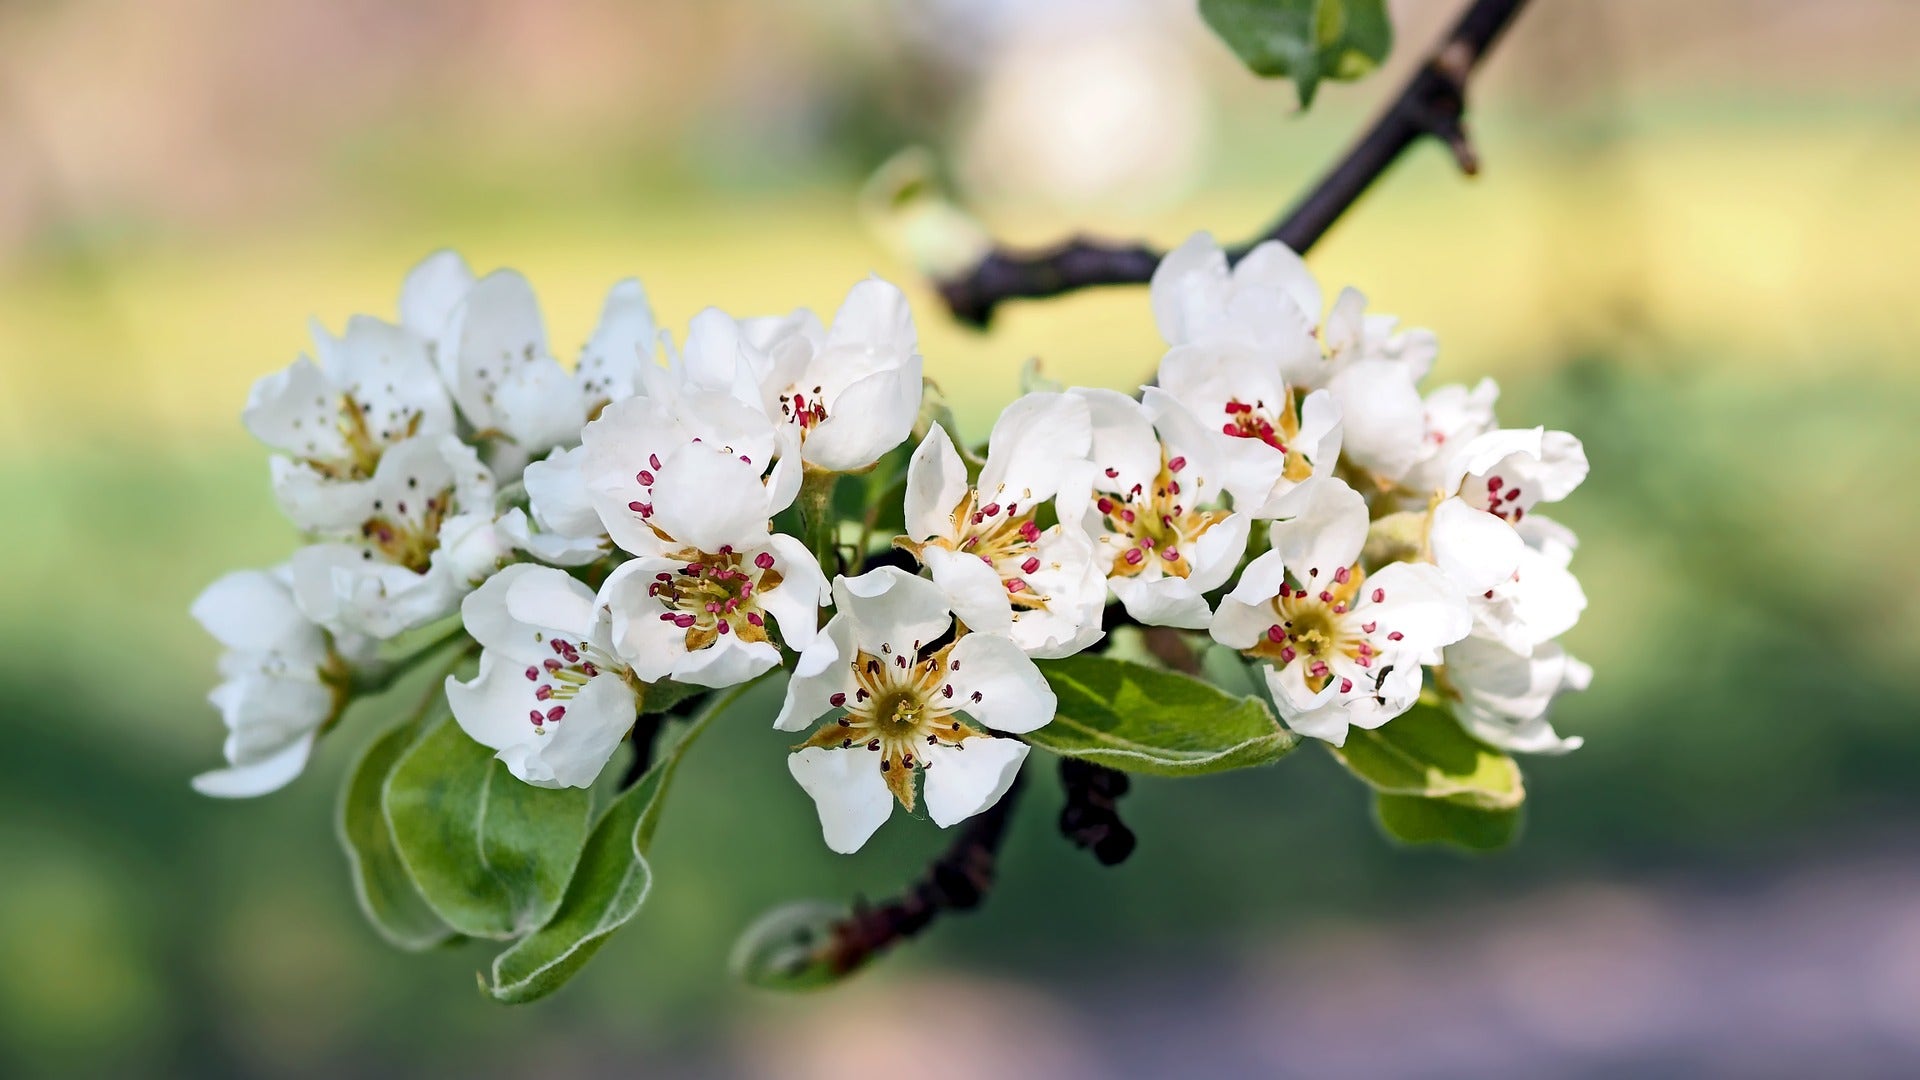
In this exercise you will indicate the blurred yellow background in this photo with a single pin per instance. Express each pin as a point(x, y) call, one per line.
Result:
point(1693, 244)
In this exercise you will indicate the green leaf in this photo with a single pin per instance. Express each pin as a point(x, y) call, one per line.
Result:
point(490, 853)
point(1303, 40)
point(386, 892)
point(1141, 719)
point(1425, 754)
point(607, 889)
point(1414, 820)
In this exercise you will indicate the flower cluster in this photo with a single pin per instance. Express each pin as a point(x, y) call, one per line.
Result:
point(661, 515)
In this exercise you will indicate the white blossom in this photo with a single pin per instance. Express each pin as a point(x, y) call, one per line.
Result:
point(1340, 648)
point(902, 702)
point(415, 538)
point(332, 421)
point(282, 681)
point(550, 695)
point(1001, 572)
point(710, 581)
point(493, 353)
point(1151, 504)
point(1488, 487)
point(1452, 416)
point(843, 395)
point(1502, 697)
point(1265, 447)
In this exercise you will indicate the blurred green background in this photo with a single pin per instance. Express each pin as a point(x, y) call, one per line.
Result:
point(1694, 244)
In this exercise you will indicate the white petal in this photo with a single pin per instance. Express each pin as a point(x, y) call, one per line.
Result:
point(870, 417)
point(1274, 267)
point(259, 777)
point(963, 780)
point(1245, 613)
point(1013, 695)
point(848, 792)
point(795, 604)
point(973, 589)
point(1505, 695)
point(1189, 280)
point(1476, 549)
point(495, 330)
point(434, 287)
point(1166, 601)
point(1327, 530)
point(707, 500)
point(297, 409)
point(1123, 438)
point(1034, 438)
point(1383, 418)
point(540, 406)
point(727, 662)
point(936, 482)
point(623, 342)
point(1316, 715)
point(649, 644)
point(875, 315)
point(1419, 602)
point(255, 610)
point(1217, 552)
point(822, 670)
point(892, 606)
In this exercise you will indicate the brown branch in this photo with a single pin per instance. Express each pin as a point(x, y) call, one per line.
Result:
point(1091, 816)
point(956, 881)
point(1432, 103)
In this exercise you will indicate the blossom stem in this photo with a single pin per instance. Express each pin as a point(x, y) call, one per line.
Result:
point(958, 880)
point(816, 516)
point(1432, 103)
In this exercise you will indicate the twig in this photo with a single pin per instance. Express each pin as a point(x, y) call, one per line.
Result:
point(956, 881)
point(1432, 103)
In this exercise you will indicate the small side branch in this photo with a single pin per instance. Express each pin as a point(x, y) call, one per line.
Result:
point(958, 880)
point(1432, 103)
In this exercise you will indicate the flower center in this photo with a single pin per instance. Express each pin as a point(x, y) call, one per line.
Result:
point(807, 409)
point(1275, 427)
point(711, 595)
point(406, 538)
point(1154, 527)
point(562, 675)
point(1315, 625)
point(900, 706)
point(1496, 497)
point(1003, 538)
point(363, 447)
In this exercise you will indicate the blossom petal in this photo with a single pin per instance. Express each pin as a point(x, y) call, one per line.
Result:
point(1012, 694)
point(963, 780)
point(431, 292)
point(848, 792)
point(1327, 530)
point(258, 777)
point(936, 482)
point(821, 671)
point(1476, 549)
point(1035, 437)
point(892, 606)
point(496, 329)
point(871, 416)
point(709, 500)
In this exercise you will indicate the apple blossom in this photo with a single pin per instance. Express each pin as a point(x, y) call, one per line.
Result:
point(333, 420)
point(550, 695)
point(415, 538)
point(1340, 647)
point(1265, 446)
point(1001, 572)
point(1151, 503)
point(1488, 487)
point(905, 700)
point(1502, 696)
point(493, 353)
point(283, 681)
point(708, 574)
point(849, 393)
